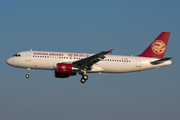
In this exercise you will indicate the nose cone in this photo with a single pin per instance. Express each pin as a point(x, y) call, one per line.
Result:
point(9, 61)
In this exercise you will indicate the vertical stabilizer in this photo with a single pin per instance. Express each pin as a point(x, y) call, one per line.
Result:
point(157, 47)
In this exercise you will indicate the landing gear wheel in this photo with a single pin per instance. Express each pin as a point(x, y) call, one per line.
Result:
point(27, 76)
point(85, 77)
point(83, 80)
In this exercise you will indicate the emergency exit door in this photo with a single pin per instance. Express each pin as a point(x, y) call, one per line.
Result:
point(138, 62)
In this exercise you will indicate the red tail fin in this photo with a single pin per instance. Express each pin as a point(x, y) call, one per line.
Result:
point(157, 47)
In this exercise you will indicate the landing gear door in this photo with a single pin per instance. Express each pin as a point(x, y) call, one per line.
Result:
point(138, 62)
point(28, 56)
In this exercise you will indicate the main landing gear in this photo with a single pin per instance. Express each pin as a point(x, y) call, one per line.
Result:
point(27, 76)
point(84, 78)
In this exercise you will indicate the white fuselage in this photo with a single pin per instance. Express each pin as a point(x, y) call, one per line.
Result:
point(110, 64)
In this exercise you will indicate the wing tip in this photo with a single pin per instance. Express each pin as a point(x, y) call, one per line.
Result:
point(110, 51)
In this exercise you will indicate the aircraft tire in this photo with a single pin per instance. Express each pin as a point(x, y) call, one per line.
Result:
point(85, 77)
point(27, 76)
point(83, 80)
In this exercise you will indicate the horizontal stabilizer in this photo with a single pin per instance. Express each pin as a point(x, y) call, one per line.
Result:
point(160, 61)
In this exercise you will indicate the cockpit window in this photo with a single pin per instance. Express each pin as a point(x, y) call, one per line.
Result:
point(16, 55)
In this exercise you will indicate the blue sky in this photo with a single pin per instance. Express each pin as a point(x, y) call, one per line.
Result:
point(128, 27)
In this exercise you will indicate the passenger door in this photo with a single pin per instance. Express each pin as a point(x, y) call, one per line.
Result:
point(28, 56)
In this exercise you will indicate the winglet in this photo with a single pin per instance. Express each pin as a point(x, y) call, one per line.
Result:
point(110, 51)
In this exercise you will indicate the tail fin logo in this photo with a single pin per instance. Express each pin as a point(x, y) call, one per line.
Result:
point(158, 47)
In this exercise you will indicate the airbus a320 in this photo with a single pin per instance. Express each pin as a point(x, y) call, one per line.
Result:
point(69, 64)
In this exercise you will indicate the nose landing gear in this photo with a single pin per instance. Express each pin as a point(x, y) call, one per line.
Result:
point(27, 76)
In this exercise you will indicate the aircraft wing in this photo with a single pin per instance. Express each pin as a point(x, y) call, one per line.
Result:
point(88, 62)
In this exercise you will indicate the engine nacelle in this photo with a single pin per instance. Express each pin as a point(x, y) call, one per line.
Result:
point(61, 75)
point(64, 68)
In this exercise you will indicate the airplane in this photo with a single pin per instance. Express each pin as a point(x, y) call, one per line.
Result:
point(67, 64)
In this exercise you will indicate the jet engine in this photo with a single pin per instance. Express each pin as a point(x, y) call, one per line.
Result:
point(64, 70)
